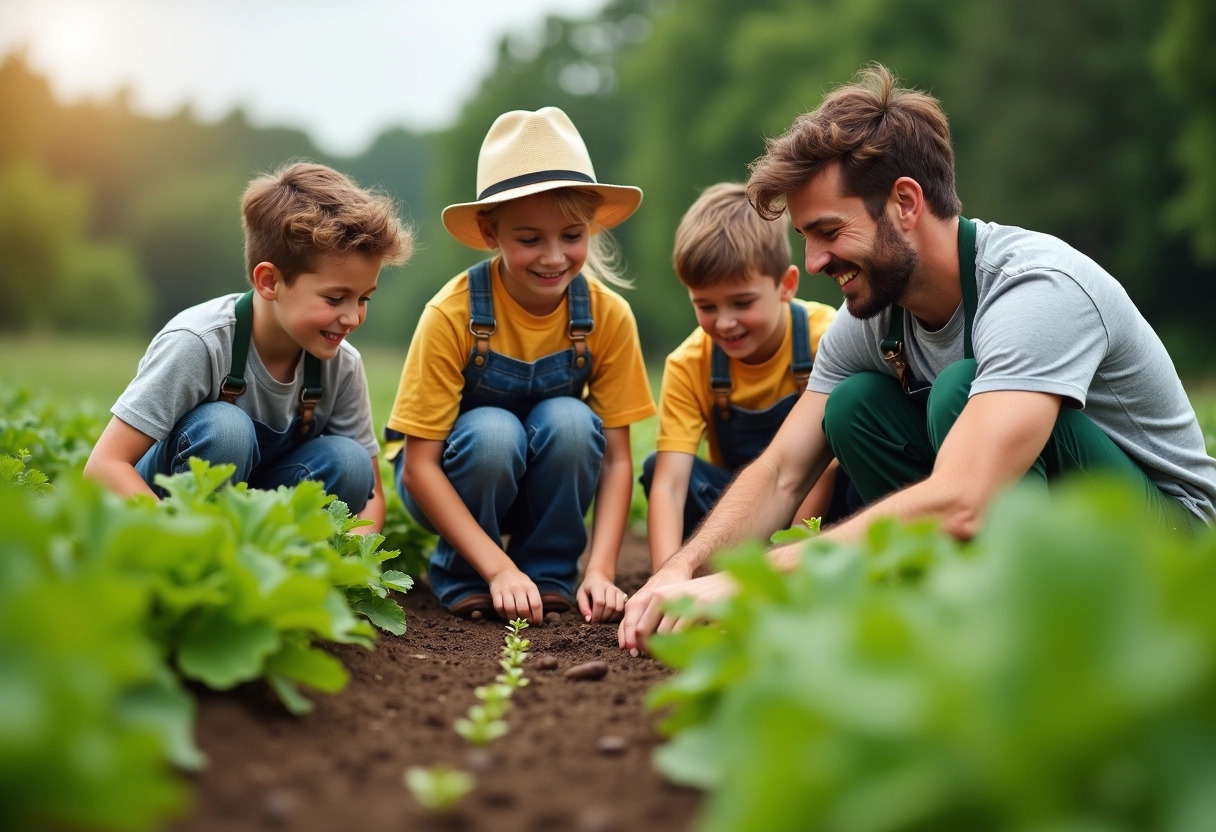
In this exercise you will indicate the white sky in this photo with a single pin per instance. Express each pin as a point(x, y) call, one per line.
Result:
point(341, 70)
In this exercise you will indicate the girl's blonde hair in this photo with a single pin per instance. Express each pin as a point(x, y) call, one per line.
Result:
point(580, 205)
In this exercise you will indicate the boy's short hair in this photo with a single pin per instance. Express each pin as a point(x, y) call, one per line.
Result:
point(304, 211)
point(722, 238)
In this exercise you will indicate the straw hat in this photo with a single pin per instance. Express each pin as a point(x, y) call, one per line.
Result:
point(529, 152)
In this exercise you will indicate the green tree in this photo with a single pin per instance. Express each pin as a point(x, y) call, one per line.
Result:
point(53, 273)
point(1184, 62)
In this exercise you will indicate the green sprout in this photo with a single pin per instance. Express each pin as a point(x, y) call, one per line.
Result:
point(438, 788)
point(480, 728)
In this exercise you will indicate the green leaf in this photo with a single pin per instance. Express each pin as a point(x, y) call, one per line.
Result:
point(385, 613)
point(221, 652)
point(308, 666)
point(397, 580)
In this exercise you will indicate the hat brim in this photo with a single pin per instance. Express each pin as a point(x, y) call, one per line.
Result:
point(620, 201)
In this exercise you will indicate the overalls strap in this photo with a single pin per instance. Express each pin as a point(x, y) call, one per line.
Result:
point(234, 383)
point(481, 309)
point(482, 322)
point(801, 363)
point(578, 298)
point(892, 346)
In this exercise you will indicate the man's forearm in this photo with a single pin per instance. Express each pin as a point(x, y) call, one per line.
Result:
point(753, 506)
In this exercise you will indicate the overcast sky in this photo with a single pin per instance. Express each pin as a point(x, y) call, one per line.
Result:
point(341, 70)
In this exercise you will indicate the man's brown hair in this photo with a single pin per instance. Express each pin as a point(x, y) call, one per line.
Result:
point(721, 238)
point(304, 211)
point(878, 132)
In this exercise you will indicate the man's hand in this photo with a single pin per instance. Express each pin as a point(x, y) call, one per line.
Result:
point(644, 613)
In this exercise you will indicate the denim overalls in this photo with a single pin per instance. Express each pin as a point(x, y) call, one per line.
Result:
point(222, 433)
point(524, 454)
point(742, 434)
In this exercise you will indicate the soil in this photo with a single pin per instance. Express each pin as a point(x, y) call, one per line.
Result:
point(577, 757)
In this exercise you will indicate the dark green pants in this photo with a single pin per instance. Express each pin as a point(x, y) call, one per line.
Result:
point(886, 439)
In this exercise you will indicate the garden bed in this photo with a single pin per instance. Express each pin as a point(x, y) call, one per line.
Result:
point(577, 757)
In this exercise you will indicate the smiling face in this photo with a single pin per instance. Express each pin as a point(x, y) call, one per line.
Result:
point(870, 261)
point(542, 250)
point(320, 308)
point(746, 316)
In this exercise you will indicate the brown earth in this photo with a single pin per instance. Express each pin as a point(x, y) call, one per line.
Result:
point(577, 757)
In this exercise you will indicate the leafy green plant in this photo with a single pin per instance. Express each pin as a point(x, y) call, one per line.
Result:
point(438, 788)
point(15, 473)
point(90, 715)
point(1058, 672)
point(53, 438)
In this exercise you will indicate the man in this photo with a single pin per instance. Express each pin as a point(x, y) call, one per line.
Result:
point(968, 356)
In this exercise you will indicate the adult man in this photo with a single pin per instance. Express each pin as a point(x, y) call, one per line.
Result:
point(1014, 343)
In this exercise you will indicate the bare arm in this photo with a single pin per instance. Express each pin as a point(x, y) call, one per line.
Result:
point(513, 593)
point(994, 442)
point(112, 460)
point(374, 510)
point(665, 512)
point(598, 597)
point(761, 500)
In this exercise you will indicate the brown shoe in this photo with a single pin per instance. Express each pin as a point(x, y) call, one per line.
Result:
point(475, 606)
point(556, 602)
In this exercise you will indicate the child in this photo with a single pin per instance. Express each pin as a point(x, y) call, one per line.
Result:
point(266, 380)
point(735, 377)
point(520, 384)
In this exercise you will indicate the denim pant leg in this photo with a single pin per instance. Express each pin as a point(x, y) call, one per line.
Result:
point(339, 463)
point(218, 432)
point(548, 526)
point(483, 459)
point(706, 482)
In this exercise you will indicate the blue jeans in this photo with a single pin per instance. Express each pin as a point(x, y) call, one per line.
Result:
point(531, 480)
point(223, 433)
point(706, 482)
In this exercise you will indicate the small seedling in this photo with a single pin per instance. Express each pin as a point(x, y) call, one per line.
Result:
point(512, 676)
point(438, 788)
point(807, 529)
point(480, 728)
point(495, 699)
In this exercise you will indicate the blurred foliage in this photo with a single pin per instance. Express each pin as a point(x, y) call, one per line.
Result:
point(1059, 672)
point(1092, 120)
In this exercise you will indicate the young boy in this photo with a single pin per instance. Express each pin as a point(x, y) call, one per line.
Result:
point(735, 378)
point(266, 380)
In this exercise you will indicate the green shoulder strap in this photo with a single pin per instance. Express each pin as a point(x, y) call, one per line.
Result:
point(234, 383)
point(892, 347)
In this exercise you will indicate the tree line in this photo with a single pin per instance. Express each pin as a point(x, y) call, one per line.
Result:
point(1092, 120)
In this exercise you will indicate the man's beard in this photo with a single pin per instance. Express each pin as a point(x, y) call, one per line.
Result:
point(890, 267)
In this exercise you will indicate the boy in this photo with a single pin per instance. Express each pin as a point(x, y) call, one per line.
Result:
point(266, 381)
point(736, 377)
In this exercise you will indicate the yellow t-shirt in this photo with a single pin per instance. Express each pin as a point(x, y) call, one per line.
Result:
point(686, 403)
point(428, 397)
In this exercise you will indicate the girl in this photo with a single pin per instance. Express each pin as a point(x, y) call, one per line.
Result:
point(521, 382)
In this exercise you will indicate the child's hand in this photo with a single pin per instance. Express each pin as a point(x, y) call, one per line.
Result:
point(599, 599)
point(515, 596)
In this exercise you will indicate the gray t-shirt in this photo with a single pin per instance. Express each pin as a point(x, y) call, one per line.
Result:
point(1051, 320)
point(187, 361)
